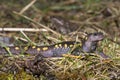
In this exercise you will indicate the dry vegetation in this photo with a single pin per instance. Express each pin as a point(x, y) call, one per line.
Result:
point(83, 16)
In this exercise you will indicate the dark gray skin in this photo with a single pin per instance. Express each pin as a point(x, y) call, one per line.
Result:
point(90, 44)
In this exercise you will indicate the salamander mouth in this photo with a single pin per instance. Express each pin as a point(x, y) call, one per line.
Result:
point(98, 38)
point(101, 37)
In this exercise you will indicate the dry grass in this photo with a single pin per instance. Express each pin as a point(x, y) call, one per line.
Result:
point(90, 15)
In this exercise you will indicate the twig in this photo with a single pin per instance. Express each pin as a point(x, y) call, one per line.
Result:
point(27, 37)
point(38, 23)
point(22, 29)
point(26, 7)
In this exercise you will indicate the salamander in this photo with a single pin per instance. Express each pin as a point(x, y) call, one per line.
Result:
point(57, 50)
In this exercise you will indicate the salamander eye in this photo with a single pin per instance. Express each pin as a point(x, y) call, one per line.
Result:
point(95, 34)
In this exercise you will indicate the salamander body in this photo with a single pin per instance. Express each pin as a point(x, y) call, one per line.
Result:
point(57, 50)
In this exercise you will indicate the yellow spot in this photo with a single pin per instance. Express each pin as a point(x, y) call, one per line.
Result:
point(25, 48)
point(7, 48)
point(65, 45)
point(16, 48)
point(33, 47)
point(45, 48)
point(86, 38)
point(38, 49)
point(71, 45)
point(60, 45)
point(56, 46)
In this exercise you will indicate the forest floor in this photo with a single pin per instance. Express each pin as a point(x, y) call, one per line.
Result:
point(72, 20)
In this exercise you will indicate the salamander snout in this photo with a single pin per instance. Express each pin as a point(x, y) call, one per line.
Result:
point(98, 36)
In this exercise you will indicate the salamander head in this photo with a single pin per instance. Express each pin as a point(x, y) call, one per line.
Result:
point(95, 37)
point(90, 44)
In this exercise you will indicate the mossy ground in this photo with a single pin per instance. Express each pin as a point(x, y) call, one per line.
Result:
point(90, 15)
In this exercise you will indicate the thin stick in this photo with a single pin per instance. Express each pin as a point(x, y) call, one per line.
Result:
point(26, 7)
point(22, 29)
point(38, 23)
point(27, 37)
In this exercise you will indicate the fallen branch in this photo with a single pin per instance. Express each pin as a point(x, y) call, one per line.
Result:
point(23, 29)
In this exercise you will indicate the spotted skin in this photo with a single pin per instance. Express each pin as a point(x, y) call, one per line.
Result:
point(57, 50)
point(52, 49)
